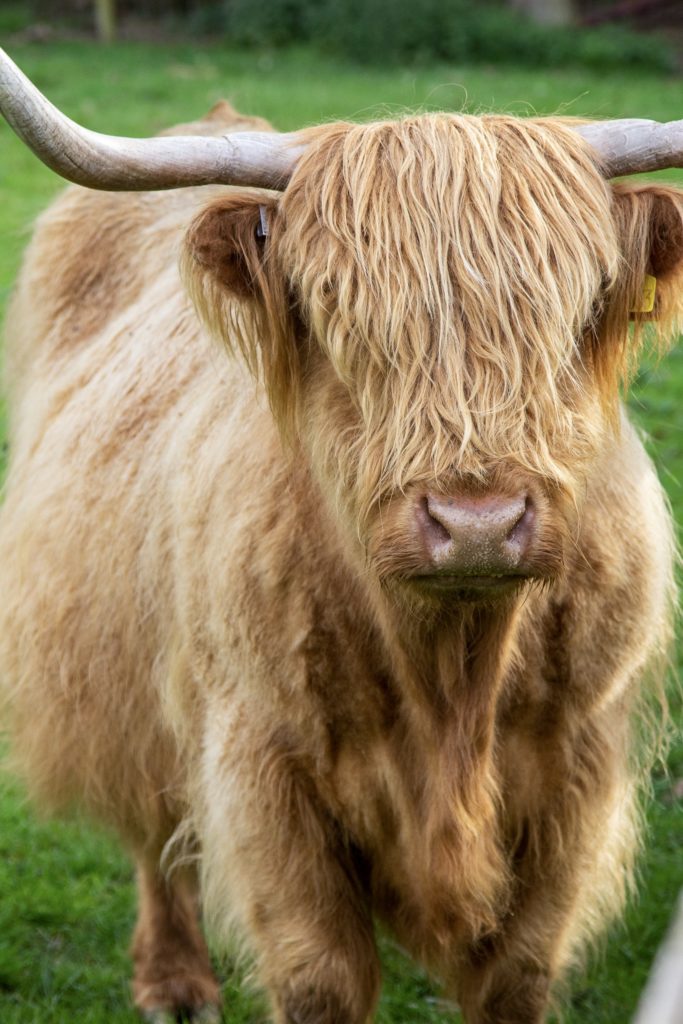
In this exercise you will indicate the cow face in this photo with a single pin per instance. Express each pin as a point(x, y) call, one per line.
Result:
point(440, 310)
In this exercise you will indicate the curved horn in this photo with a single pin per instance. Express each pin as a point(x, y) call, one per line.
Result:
point(260, 159)
point(634, 147)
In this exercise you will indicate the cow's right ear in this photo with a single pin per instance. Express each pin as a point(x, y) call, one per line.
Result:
point(234, 277)
point(231, 270)
point(228, 242)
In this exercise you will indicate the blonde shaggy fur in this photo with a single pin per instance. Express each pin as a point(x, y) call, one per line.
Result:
point(208, 625)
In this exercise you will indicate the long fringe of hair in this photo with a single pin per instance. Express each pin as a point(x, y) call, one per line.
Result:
point(469, 281)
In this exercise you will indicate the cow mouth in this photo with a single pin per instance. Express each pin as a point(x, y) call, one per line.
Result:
point(467, 583)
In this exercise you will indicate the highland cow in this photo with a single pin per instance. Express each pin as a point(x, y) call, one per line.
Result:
point(355, 620)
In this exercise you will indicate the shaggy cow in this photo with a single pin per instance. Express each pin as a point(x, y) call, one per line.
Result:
point(353, 622)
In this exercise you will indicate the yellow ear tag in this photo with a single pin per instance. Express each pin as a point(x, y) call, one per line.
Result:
point(647, 299)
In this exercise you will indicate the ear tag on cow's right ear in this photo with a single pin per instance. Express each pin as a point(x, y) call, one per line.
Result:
point(263, 228)
point(647, 299)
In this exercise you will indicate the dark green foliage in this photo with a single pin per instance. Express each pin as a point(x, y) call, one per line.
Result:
point(419, 31)
point(372, 32)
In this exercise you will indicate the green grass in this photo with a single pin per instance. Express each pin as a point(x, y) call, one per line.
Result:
point(66, 892)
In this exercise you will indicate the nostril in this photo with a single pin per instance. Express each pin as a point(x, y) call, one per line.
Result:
point(521, 532)
point(476, 534)
point(438, 534)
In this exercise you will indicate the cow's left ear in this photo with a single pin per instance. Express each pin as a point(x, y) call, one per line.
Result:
point(649, 220)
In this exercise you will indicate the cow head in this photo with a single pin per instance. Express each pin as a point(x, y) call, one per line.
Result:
point(440, 310)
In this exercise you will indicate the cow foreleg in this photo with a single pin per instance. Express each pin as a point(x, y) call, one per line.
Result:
point(172, 973)
point(508, 978)
point(503, 986)
point(277, 866)
point(570, 865)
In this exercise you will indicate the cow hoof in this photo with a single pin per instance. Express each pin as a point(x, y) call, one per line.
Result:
point(207, 1015)
point(204, 1015)
point(159, 1017)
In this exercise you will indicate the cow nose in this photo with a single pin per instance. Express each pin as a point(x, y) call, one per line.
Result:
point(486, 535)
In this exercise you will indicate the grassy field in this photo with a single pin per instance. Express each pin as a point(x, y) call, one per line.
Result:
point(66, 895)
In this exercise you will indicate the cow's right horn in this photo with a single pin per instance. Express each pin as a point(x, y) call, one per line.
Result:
point(260, 159)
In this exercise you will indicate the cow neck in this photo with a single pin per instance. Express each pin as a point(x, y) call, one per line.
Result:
point(453, 664)
point(451, 673)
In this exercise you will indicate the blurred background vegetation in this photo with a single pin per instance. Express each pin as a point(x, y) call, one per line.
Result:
point(538, 33)
point(66, 890)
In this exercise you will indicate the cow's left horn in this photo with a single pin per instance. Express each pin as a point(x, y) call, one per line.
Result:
point(635, 147)
point(260, 159)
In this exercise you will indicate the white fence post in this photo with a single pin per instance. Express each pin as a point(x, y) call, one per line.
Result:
point(662, 1000)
